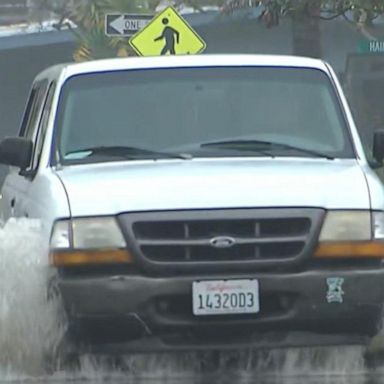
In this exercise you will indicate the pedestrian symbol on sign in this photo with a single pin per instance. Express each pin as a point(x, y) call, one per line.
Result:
point(169, 36)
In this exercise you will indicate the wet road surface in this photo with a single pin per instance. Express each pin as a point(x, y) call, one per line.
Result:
point(31, 329)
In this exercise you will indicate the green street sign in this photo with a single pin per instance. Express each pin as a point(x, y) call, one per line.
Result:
point(371, 46)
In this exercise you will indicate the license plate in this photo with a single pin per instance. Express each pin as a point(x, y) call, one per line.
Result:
point(224, 297)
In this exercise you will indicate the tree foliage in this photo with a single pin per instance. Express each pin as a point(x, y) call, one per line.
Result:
point(361, 10)
point(88, 16)
point(357, 11)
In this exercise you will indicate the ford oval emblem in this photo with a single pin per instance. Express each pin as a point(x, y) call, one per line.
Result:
point(222, 242)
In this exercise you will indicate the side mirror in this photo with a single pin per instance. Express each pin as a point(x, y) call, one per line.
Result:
point(378, 145)
point(16, 151)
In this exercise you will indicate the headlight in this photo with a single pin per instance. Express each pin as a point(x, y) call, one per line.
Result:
point(346, 225)
point(88, 241)
point(352, 234)
point(378, 225)
point(94, 233)
point(61, 238)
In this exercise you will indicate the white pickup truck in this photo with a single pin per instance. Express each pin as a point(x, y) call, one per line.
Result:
point(202, 202)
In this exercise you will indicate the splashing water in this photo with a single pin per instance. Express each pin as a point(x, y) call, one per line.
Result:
point(31, 328)
point(331, 364)
point(29, 325)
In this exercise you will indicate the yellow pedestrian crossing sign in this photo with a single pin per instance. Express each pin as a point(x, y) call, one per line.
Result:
point(167, 34)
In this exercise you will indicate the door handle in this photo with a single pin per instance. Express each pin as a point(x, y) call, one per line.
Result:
point(13, 203)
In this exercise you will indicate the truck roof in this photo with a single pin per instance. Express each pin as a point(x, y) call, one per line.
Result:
point(117, 64)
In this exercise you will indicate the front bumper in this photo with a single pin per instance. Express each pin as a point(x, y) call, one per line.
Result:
point(140, 313)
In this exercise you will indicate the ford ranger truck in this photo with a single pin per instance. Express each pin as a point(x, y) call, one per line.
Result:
point(202, 202)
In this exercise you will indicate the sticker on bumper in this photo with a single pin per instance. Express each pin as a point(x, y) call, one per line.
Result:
point(335, 289)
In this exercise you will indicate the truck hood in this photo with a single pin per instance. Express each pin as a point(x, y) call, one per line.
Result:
point(111, 188)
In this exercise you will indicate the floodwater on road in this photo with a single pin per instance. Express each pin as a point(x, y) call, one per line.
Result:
point(31, 327)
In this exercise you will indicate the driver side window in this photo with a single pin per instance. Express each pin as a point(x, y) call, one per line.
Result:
point(32, 115)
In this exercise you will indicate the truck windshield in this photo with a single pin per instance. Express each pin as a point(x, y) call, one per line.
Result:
point(178, 110)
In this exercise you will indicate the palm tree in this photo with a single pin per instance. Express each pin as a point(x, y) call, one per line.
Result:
point(306, 33)
point(89, 16)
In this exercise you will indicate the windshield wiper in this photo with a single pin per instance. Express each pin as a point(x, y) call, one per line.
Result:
point(129, 153)
point(258, 145)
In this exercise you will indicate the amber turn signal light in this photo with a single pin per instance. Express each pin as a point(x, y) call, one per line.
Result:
point(350, 249)
point(65, 258)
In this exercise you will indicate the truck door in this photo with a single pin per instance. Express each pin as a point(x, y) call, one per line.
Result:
point(15, 184)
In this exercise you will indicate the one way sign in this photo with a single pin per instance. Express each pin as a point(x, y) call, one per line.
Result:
point(125, 24)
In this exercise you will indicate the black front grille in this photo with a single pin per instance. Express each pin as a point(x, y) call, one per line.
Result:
point(222, 236)
point(196, 252)
point(295, 226)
